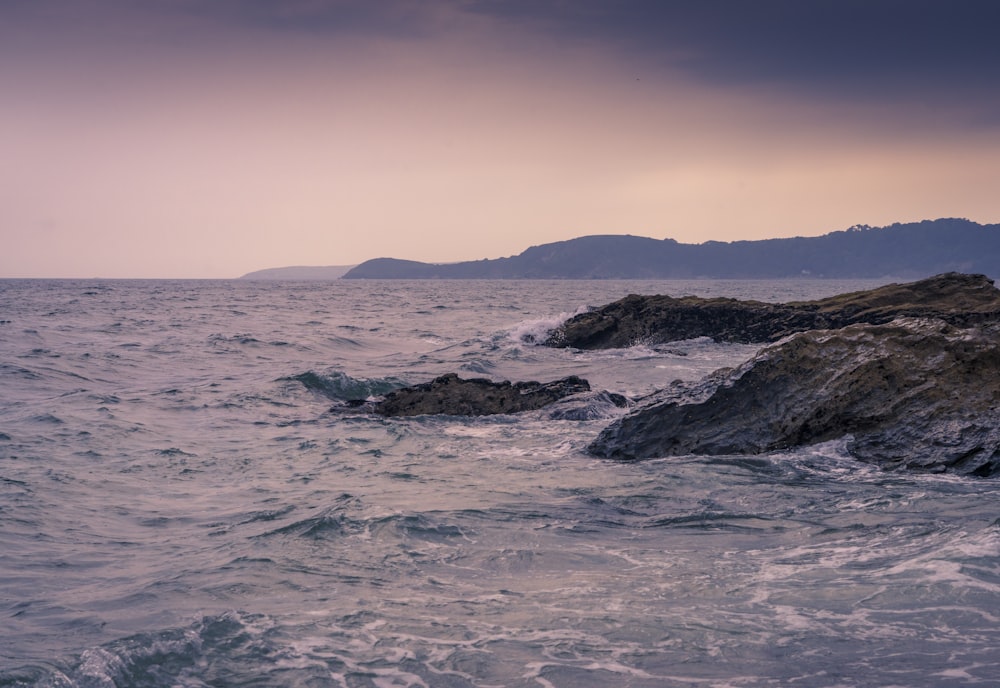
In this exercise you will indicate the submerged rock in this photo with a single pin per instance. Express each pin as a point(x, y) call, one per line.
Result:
point(915, 393)
point(454, 396)
point(956, 298)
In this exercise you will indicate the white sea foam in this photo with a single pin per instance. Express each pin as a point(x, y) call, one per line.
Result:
point(537, 330)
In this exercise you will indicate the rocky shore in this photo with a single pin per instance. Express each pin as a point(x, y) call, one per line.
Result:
point(907, 374)
point(956, 298)
point(915, 393)
point(454, 396)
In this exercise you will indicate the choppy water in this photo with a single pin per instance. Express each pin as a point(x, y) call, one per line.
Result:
point(180, 507)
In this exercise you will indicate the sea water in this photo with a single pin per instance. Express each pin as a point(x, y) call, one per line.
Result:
point(182, 503)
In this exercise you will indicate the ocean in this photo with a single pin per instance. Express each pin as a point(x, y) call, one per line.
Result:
point(182, 503)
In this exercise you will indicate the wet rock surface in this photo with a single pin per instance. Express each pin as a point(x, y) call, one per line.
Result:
point(454, 396)
point(956, 298)
point(916, 393)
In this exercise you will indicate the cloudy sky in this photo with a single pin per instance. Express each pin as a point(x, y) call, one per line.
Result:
point(209, 138)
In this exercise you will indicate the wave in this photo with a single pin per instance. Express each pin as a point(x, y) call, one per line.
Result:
point(538, 330)
point(241, 338)
point(342, 387)
point(587, 406)
point(335, 522)
point(479, 366)
point(18, 372)
point(234, 648)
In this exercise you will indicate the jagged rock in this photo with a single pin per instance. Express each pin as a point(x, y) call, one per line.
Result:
point(454, 396)
point(915, 393)
point(956, 298)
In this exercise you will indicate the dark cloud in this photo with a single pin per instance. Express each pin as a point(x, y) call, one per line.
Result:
point(387, 17)
point(914, 49)
point(167, 20)
point(920, 52)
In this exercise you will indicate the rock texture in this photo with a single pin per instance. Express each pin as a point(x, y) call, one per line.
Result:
point(454, 396)
point(953, 297)
point(915, 393)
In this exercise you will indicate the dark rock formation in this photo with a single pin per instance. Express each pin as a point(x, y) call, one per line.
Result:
point(454, 396)
point(915, 393)
point(956, 298)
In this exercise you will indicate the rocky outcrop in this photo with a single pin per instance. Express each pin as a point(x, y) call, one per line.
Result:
point(953, 297)
point(455, 396)
point(915, 393)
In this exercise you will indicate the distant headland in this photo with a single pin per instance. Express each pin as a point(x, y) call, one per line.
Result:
point(300, 272)
point(910, 250)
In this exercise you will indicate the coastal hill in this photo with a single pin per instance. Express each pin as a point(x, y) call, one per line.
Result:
point(911, 250)
point(300, 272)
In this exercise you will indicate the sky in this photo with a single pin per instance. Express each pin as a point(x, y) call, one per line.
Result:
point(211, 138)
